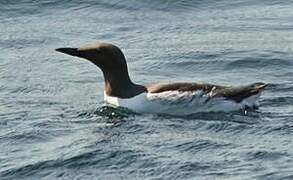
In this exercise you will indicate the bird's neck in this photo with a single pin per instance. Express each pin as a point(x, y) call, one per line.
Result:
point(119, 84)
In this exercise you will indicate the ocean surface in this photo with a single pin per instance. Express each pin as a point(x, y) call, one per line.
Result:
point(54, 125)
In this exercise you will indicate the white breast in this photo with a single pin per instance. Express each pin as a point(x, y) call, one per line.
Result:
point(179, 103)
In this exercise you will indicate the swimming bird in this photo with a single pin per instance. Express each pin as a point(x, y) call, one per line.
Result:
point(180, 98)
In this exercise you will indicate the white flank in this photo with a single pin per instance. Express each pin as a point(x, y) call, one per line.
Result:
point(180, 103)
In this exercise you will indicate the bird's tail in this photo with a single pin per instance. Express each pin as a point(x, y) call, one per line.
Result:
point(259, 87)
point(241, 93)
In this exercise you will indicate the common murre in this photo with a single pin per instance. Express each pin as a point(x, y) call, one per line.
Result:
point(170, 98)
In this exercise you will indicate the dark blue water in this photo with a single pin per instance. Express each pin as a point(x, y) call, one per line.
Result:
point(53, 124)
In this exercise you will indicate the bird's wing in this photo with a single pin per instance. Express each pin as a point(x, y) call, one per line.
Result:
point(185, 91)
point(158, 88)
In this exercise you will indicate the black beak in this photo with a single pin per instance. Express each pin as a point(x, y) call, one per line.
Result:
point(70, 51)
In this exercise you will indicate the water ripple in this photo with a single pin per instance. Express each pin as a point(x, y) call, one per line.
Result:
point(54, 125)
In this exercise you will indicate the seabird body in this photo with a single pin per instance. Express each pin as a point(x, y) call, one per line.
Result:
point(185, 101)
point(180, 103)
point(169, 98)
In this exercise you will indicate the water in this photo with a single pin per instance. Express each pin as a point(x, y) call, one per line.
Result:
point(53, 124)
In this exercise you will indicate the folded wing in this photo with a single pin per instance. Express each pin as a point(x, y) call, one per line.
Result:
point(237, 93)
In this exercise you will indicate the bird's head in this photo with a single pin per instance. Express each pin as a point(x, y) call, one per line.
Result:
point(107, 57)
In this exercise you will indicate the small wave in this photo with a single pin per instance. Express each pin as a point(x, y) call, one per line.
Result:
point(30, 169)
point(200, 145)
point(265, 155)
point(20, 43)
point(102, 158)
point(278, 101)
point(282, 87)
point(158, 5)
point(18, 138)
point(283, 129)
point(282, 95)
point(255, 62)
